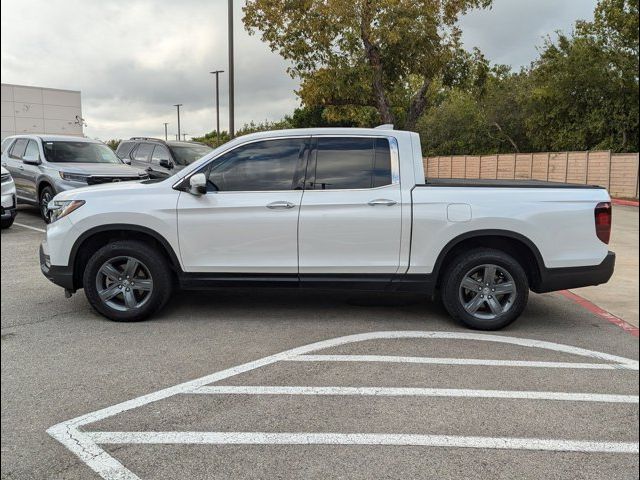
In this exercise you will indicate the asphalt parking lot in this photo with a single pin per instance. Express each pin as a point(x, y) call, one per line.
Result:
point(232, 384)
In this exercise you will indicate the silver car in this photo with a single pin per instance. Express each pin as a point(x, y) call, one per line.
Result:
point(45, 165)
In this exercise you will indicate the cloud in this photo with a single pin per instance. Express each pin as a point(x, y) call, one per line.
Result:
point(511, 30)
point(134, 59)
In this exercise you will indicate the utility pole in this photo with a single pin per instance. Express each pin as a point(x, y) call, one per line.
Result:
point(184, 137)
point(217, 73)
point(165, 131)
point(231, 112)
point(178, 105)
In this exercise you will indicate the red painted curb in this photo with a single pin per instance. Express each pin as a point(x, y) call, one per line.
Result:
point(593, 308)
point(627, 203)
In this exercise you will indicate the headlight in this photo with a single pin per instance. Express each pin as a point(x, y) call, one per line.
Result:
point(74, 177)
point(62, 208)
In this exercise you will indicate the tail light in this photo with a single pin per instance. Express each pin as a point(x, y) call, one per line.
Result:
point(603, 217)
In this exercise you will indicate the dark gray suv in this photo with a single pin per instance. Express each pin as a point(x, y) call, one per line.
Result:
point(158, 158)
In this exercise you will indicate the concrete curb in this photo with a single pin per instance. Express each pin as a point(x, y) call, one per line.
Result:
point(593, 308)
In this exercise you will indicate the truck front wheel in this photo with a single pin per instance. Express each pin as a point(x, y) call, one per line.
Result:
point(485, 289)
point(127, 281)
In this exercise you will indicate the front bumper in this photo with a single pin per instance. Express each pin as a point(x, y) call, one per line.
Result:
point(8, 209)
point(59, 274)
point(554, 279)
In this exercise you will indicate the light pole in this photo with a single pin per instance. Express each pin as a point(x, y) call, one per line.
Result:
point(165, 131)
point(231, 113)
point(184, 137)
point(178, 105)
point(217, 73)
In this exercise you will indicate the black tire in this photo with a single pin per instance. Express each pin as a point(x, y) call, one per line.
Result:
point(471, 265)
point(46, 195)
point(153, 267)
point(6, 223)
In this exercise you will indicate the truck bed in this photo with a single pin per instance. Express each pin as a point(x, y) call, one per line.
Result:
point(462, 182)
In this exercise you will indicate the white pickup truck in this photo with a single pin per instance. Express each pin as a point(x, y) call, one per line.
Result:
point(327, 208)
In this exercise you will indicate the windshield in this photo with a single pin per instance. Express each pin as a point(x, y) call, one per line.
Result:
point(79, 152)
point(187, 154)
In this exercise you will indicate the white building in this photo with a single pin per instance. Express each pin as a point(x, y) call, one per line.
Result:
point(40, 110)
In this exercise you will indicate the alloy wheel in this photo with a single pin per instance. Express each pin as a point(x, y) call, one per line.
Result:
point(487, 291)
point(124, 283)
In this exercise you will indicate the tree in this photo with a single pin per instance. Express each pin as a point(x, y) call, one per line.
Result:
point(113, 143)
point(363, 59)
point(584, 88)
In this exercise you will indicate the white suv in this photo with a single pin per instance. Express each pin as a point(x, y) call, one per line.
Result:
point(8, 199)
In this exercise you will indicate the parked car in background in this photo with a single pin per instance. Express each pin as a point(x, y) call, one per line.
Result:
point(158, 158)
point(8, 199)
point(328, 208)
point(45, 165)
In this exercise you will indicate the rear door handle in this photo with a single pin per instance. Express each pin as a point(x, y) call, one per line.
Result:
point(382, 201)
point(281, 204)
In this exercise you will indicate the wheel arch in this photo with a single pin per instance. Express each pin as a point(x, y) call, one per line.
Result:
point(97, 237)
point(515, 244)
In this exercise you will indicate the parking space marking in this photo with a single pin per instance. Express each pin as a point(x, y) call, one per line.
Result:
point(415, 392)
point(30, 227)
point(264, 438)
point(85, 444)
point(461, 361)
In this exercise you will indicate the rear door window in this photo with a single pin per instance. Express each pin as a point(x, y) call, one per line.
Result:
point(20, 145)
point(160, 152)
point(352, 163)
point(124, 149)
point(143, 152)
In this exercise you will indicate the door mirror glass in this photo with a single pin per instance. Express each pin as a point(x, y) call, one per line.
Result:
point(198, 184)
point(126, 160)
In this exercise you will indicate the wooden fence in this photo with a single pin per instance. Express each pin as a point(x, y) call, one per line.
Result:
point(616, 171)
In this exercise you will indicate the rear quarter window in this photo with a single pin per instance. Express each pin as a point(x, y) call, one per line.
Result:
point(124, 149)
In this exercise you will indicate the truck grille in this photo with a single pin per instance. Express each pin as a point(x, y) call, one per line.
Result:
point(98, 179)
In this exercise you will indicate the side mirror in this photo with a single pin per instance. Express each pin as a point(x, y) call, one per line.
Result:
point(31, 159)
point(125, 160)
point(164, 163)
point(198, 184)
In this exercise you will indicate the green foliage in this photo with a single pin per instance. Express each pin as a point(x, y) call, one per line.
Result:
point(213, 140)
point(113, 143)
point(580, 94)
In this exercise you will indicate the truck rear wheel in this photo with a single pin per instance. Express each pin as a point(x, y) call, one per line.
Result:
point(127, 281)
point(485, 289)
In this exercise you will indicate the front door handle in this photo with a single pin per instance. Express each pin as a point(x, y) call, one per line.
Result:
point(20, 167)
point(282, 204)
point(382, 201)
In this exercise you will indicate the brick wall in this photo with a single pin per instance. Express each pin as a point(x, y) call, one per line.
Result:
point(616, 171)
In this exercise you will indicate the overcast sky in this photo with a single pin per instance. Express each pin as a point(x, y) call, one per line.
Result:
point(134, 59)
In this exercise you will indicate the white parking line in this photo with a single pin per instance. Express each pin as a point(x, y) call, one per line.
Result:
point(415, 392)
point(264, 438)
point(85, 444)
point(461, 361)
point(30, 227)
